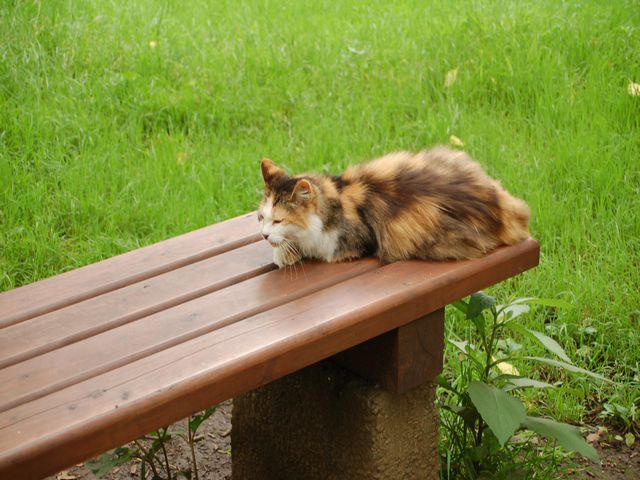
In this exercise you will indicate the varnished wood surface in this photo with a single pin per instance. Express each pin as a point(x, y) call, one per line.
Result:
point(104, 354)
point(401, 359)
point(86, 282)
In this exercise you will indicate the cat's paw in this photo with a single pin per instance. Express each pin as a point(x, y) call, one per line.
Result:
point(282, 257)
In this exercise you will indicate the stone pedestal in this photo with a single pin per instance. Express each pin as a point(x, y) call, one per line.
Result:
point(326, 423)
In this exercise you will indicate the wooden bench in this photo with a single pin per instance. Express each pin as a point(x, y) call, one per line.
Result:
point(96, 357)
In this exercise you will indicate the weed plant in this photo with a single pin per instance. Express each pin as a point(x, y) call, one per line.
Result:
point(486, 431)
point(151, 451)
point(125, 123)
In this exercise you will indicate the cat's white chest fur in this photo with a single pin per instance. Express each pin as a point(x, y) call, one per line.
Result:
point(316, 242)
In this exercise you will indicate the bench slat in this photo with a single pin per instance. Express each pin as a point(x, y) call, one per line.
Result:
point(122, 404)
point(75, 322)
point(56, 292)
point(41, 375)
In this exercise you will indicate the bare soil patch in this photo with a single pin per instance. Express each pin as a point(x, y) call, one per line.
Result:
point(213, 451)
point(618, 462)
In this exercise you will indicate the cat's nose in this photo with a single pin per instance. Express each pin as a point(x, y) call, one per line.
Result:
point(265, 236)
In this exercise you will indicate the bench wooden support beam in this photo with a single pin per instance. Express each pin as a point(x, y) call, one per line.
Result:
point(401, 359)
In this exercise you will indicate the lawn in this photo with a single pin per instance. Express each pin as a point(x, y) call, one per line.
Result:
point(124, 123)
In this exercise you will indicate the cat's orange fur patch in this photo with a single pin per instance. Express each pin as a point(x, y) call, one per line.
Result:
point(436, 204)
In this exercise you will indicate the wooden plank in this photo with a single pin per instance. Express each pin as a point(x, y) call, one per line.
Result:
point(95, 315)
point(122, 404)
point(41, 375)
point(401, 359)
point(56, 292)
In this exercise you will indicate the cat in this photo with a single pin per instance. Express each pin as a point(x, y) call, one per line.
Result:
point(437, 204)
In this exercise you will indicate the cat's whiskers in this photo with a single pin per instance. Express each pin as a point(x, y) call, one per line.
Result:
point(292, 249)
point(436, 204)
point(286, 245)
point(293, 268)
point(297, 254)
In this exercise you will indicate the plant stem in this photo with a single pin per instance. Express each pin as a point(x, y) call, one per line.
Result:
point(164, 452)
point(489, 347)
point(148, 458)
point(193, 450)
point(479, 432)
point(478, 439)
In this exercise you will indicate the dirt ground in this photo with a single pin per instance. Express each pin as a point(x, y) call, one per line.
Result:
point(213, 452)
point(619, 462)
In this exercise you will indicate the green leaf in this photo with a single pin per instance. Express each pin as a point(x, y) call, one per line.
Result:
point(106, 462)
point(185, 473)
point(196, 420)
point(616, 409)
point(155, 446)
point(516, 327)
point(569, 367)
point(551, 345)
point(442, 382)
point(468, 414)
point(629, 439)
point(567, 436)
point(547, 302)
point(546, 341)
point(480, 324)
point(467, 349)
point(512, 311)
point(508, 345)
point(478, 454)
point(502, 412)
point(462, 345)
point(521, 382)
point(161, 433)
point(478, 302)
point(460, 305)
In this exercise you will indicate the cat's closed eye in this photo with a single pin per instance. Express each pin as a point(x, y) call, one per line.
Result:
point(437, 204)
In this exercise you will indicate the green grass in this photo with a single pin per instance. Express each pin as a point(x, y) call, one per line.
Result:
point(109, 141)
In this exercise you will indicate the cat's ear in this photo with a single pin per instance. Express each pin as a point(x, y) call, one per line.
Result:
point(303, 190)
point(269, 170)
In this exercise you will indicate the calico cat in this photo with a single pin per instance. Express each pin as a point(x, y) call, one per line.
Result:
point(437, 204)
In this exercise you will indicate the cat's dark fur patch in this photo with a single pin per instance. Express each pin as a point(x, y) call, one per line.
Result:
point(437, 204)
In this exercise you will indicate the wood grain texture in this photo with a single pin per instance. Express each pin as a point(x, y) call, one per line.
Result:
point(235, 347)
point(56, 329)
point(77, 285)
point(59, 368)
point(402, 359)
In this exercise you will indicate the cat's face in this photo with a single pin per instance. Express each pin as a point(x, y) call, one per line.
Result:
point(287, 206)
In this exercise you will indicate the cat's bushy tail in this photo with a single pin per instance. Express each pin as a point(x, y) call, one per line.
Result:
point(515, 218)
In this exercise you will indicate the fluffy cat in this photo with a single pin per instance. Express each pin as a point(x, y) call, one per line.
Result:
point(437, 204)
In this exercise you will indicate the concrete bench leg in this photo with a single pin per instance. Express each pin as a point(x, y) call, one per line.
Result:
point(326, 423)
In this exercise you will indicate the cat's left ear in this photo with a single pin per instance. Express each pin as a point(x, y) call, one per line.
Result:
point(269, 170)
point(303, 190)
